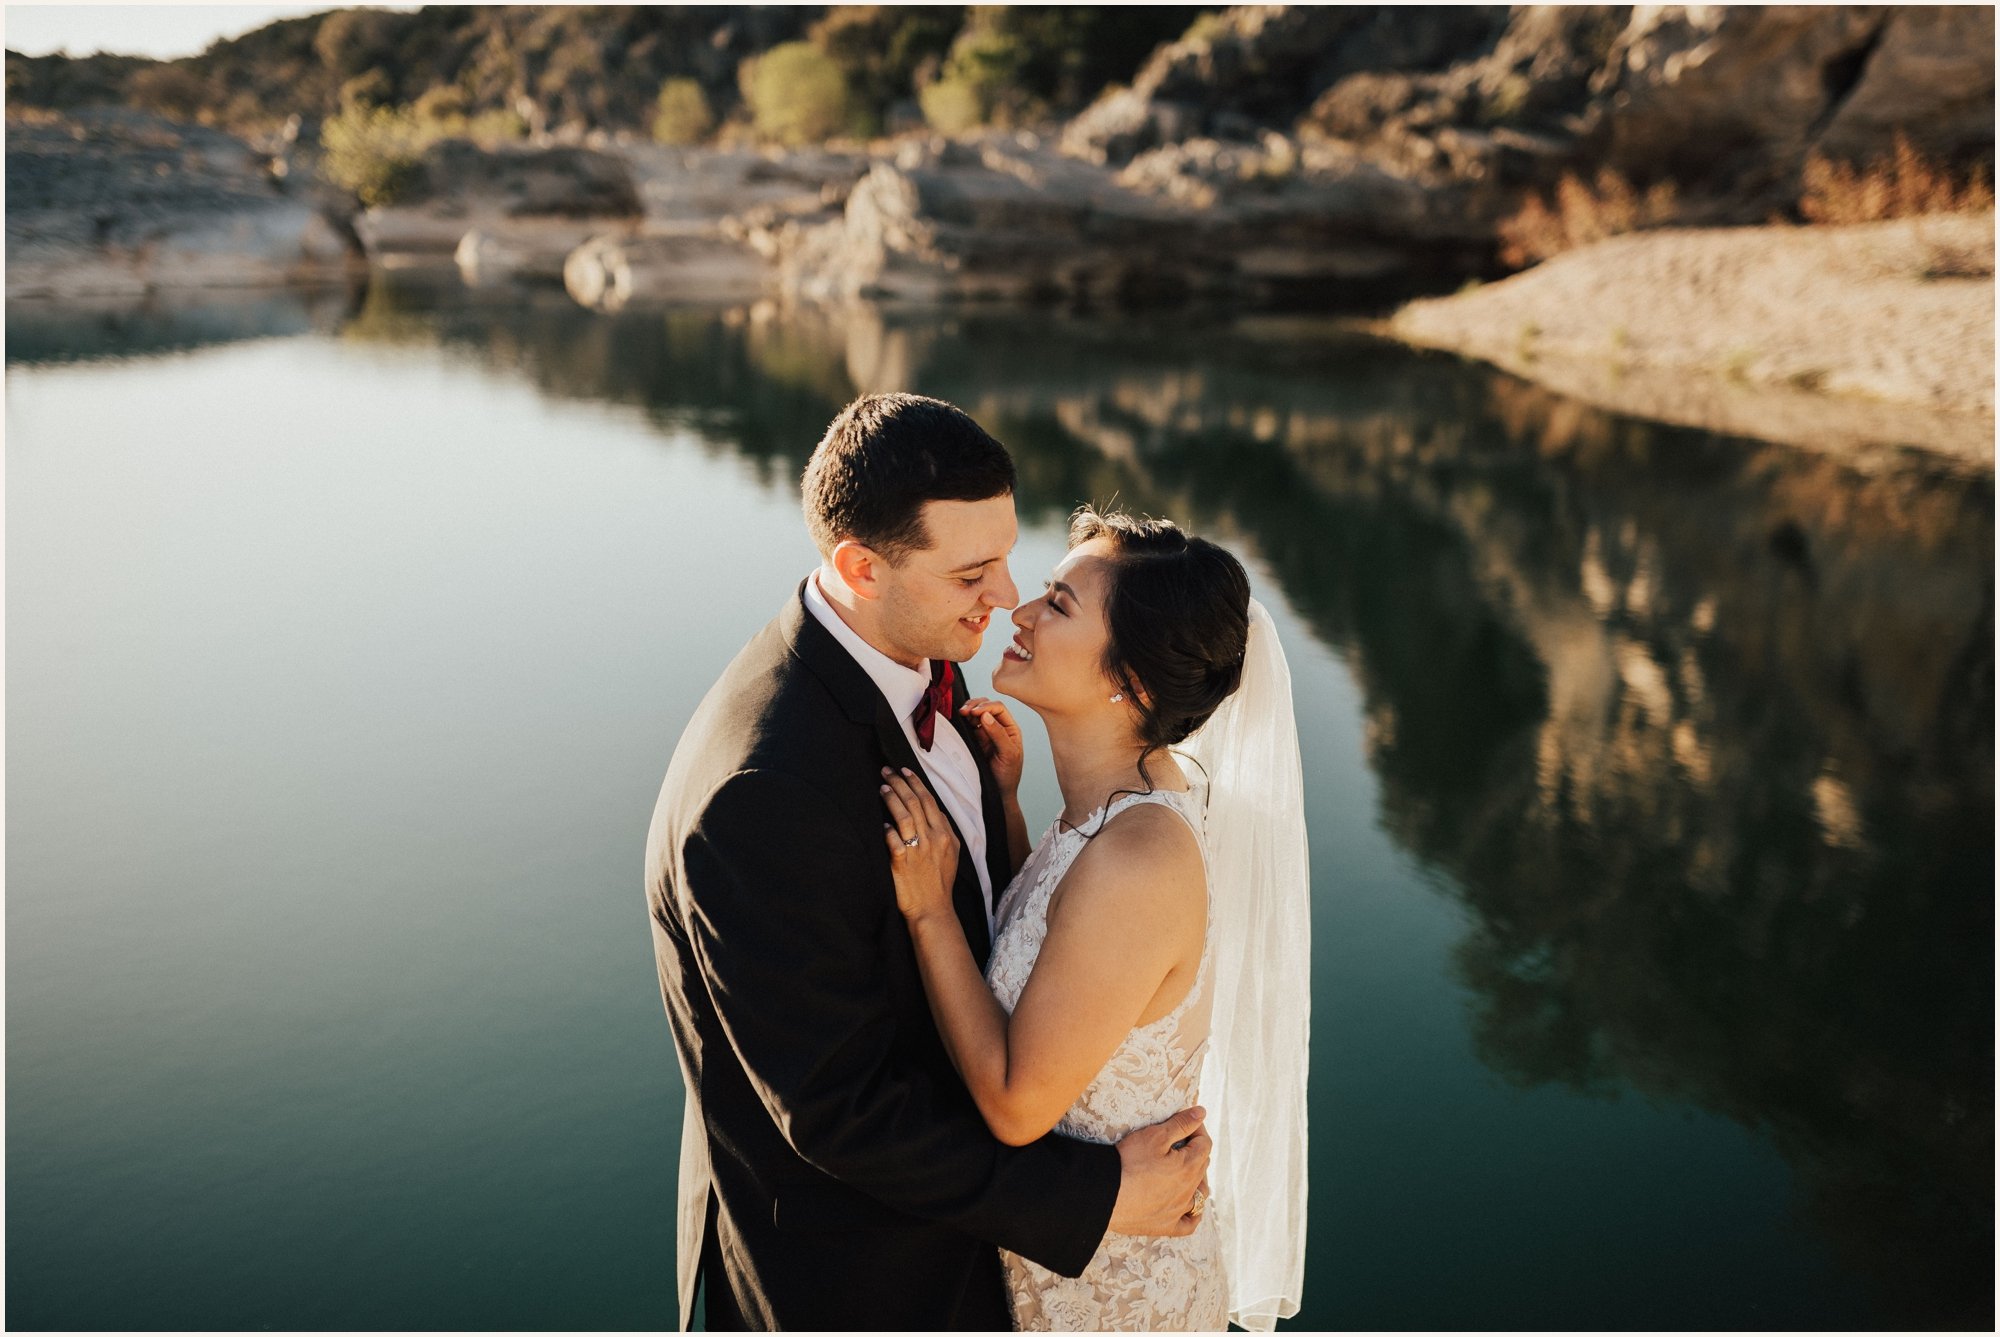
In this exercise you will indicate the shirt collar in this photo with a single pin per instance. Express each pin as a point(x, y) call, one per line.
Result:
point(903, 688)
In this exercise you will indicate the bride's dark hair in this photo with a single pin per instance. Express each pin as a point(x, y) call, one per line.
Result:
point(1178, 610)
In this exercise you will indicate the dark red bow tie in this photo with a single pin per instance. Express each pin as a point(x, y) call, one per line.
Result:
point(936, 702)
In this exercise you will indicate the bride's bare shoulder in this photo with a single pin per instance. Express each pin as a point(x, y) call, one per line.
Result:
point(1145, 859)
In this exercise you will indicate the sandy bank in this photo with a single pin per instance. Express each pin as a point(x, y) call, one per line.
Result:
point(1850, 339)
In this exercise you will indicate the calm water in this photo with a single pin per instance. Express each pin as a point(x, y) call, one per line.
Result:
point(1650, 778)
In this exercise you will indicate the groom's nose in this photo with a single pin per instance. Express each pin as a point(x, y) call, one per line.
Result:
point(1000, 591)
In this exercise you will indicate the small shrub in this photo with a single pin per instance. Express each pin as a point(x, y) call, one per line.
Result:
point(951, 106)
point(373, 151)
point(1580, 214)
point(682, 115)
point(796, 94)
point(1903, 185)
point(985, 78)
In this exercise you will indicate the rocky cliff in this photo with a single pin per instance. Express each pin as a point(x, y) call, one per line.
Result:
point(118, 203)
point(1315, 154)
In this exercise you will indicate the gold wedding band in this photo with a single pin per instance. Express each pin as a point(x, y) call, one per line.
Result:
point(1200, 1202)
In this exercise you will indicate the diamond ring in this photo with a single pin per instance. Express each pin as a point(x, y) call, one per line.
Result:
point(913, 842)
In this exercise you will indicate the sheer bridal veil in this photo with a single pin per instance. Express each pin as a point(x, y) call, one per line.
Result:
point(1255, 1083)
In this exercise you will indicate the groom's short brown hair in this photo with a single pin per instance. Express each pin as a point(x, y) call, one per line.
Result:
point(883, 458)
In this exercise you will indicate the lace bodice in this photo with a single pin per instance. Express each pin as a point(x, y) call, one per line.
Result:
point(1134, 1283)
point(1157, 1071)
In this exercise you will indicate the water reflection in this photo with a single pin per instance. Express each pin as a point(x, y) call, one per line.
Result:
point(1699, 731)
point(42, 332)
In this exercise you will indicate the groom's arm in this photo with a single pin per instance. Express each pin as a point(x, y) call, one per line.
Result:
point(786, 908)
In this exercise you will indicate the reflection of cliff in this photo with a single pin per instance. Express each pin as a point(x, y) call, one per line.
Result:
point(1700, 731)
point(1703, 734)
point(41, 331)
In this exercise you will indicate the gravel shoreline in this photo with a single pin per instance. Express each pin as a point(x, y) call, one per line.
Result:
point(1857, 340)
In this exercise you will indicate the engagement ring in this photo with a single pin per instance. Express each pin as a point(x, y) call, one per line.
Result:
point(912, 842)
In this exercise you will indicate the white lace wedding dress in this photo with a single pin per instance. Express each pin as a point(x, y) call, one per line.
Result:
point(1134, 1283)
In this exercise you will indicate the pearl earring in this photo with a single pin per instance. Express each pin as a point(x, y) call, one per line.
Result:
point(1116, 697)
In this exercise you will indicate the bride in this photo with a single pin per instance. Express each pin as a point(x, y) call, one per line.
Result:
point(1152, 947)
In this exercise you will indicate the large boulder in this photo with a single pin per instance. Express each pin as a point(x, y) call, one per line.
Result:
point(1256, 67)
point(1009, 218)
point(1929, 76)
point(120, 203)
point(694, 265)
point(1727, 97)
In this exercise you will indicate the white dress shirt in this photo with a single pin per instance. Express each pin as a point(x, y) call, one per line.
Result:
point(948, 765)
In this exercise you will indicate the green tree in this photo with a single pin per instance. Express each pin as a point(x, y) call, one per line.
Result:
point(374, 151)
point(683, 115)
point(879, 49)
point(796, 94)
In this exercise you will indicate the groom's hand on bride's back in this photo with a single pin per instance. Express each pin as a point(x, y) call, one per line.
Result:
point(1160, 1170)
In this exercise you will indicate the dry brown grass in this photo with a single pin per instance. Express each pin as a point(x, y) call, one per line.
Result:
point(1581, 213)
point(1903, 185)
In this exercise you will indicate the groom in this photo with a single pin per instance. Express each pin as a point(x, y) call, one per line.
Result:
point(834, 1172)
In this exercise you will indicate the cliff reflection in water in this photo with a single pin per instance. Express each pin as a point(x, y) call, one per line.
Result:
point(1699, 731)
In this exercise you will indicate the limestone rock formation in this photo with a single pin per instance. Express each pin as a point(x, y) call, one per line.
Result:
point(1007, 217)
point(120, 203)
point(1258, 66)
point(1727, 97)
point(1929, 74)
point(1726, 101)
point(692, 265)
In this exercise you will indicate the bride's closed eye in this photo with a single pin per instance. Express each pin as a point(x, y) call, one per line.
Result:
point(1055, 600)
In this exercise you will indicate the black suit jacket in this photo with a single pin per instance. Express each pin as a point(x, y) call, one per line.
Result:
point(834, 1169)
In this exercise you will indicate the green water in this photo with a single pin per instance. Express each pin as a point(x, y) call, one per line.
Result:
point(1649, 773)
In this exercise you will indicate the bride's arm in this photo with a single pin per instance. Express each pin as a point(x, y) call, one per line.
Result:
point(1131, 909)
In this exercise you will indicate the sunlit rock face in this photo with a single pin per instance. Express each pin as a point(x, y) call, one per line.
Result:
point(1726, 101)
point(1007, 217)
point(109, 203)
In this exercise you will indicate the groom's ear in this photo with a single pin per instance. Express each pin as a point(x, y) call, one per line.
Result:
point(859, 567)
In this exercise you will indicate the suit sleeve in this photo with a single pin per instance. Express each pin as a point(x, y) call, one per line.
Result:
point(782, 905)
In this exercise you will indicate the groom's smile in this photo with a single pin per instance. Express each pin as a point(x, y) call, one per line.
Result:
point(961, 576)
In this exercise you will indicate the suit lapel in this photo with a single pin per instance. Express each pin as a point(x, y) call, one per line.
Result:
point(862, 702)
point(966, 899)
point(991, 810)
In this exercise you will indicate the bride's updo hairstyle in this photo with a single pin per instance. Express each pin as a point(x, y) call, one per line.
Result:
point(1179, 617)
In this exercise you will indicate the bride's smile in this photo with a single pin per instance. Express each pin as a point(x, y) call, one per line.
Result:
point(1056, 659)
